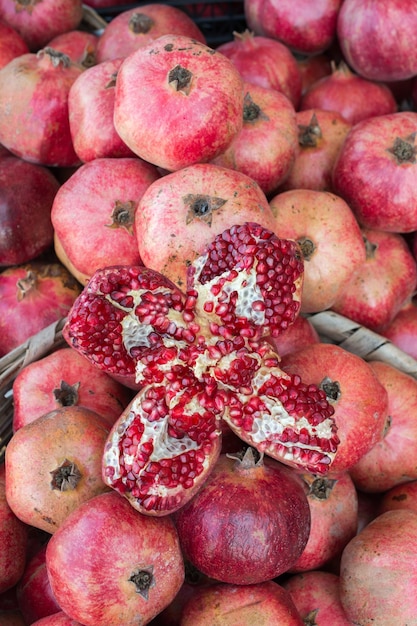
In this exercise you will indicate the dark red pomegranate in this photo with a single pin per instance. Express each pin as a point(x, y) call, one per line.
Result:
point(249, 523)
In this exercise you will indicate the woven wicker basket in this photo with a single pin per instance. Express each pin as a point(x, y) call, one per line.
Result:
point(331, 327)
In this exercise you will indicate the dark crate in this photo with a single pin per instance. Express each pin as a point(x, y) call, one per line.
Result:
point(216, 19)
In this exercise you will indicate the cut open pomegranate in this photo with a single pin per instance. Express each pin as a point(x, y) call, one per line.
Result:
point(197, 358)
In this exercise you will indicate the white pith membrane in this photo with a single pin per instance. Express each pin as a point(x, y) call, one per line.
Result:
point(244, 284)
point(136, 334)
point(269, 426)
point(164, 446)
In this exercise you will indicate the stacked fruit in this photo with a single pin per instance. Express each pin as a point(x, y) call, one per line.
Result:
point(197, 453)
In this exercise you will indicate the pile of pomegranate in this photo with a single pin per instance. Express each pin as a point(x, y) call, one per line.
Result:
point(196, 453)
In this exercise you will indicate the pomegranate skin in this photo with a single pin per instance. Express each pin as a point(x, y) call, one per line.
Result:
point(265, 604)
point(247, 524)
point(378, 571)
point(12, 44)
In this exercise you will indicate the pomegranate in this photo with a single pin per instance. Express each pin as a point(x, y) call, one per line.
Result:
point(179, 214)
point(79, 45)
point(65, 447)
point(249, 522)
point(402, 496)
point(370, 48)
point(27, 193)
point(91, 108)
point(375, 172)
point(391, 461)
point(402, 330)
point(330, 240)
point(14, 541)
point(94, 220)
point(352, 388)
point(265, 147)
point(137, 27)
point(312, 68)
point(178, 102)
point(12, 44)
point(65, 378)
point(388, 597)
point(321, 135)
point(34, 102)
point(384, 283)
point(199, 357)
point(56, 619)
point(106, 549)
point(265, 62)
point(317, 598)
point(333, 506)
point(304, 27)
point(300, 334)
point(38, 22)
point(34, 594)
point(264, 603)
point(32, 296)
point(354, 97)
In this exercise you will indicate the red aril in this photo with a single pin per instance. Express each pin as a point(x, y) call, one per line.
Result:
point(352, 388)
point(251, 503)
point(179, 214)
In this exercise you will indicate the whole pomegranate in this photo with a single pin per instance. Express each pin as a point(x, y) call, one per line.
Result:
point(14, 541)
point(34, 103)
point(178, 102)
point(34, 595)
point(378, 571)
point(79, 45)
point(266, 603)
point(32, 296)
point(12, 43)
point(248, 523)
point(38, 22)
point(106, 549)
point(65, 448)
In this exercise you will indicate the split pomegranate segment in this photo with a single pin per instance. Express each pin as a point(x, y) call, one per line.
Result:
point(200, 357)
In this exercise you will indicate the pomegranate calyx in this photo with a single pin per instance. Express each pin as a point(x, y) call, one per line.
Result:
point(54, 57)
point(140, 23)
point(247, 458)
point(309, 135)
point(143, 579)
point(66, 394)
point(404, 150)
point(65, 477)
point(180, 78)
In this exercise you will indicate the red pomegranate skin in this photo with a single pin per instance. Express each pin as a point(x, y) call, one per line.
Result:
point(12, 44)
point(34, 103)
point(13, 539)
point(57, 619)
point(27, 192)
point(316, 595)
point(265, 604)
point(378, 571)
point(34, 594)
point(136, 27)
point(245, 525)
point(33, 296)
point(79, 45)
point(95, 554)
point(65, 378)
point(38, 22)
point(360, 402)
